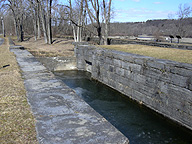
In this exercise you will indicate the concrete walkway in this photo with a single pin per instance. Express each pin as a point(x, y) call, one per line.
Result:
point(62, 117)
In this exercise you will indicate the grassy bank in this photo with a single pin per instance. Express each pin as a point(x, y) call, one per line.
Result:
point(17, 124)
point(60, 47)
point(64, 47)
point(184, 56)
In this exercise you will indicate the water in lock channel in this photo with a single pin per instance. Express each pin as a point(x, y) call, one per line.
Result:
point(138, 123)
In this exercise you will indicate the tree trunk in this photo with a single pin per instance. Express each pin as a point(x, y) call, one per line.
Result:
point(38, 22)
point(49, 32)
point(74, 33)
point(16, 29)
point(19, 29)
point(3, 27)
point(106, 35)
point(107, 15)
point(71, 16)
point(42, 13)
point(78, 30)
point(35, 28)
point(21, 33)
point(34, 14)
point(99, 34)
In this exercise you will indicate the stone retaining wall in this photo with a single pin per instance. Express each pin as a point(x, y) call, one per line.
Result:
point(162, 85)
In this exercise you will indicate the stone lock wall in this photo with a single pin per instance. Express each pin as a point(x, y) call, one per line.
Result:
point(162, 85)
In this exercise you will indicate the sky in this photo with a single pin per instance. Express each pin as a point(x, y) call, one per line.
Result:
point(143, 10)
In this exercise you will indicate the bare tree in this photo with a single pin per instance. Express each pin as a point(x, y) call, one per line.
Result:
point(107, 16)
point(34, 14)
point(77, 18)
point(63, 20)
point(43, 18)
point(80, 22)
point(96, 10)
point(71, 17)
point(183, 13)
point(93, 9)
point(17, 8)
point(45, 15)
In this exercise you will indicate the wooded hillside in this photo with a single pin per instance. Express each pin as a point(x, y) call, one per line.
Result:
point(164, 27)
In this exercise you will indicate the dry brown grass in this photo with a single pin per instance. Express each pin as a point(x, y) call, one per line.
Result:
point(63, 47)
point(184, 56)
point(17, 124)
point(60, 47)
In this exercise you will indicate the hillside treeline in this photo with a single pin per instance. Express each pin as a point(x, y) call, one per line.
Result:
point(164, 27)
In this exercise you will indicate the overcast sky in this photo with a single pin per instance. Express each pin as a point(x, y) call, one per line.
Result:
point(143, 10)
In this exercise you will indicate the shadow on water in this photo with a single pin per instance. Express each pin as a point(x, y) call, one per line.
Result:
point(140, 124)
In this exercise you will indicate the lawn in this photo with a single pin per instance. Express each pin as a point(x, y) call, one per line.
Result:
point(17, 124)
point(184, 56)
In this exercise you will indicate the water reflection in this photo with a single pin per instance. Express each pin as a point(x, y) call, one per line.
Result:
point(138, 123)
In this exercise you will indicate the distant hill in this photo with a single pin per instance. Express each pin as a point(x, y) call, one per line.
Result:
point(164, 27)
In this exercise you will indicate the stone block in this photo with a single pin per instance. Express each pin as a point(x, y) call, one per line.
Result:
point(163, 87)
point(80, 51)
point(148, 100)
point(156, 64)
point(120, 87)
point(128, 74)
point(128, 58)
point(139, 78)
point(112, 83)
point(135, 68)
point(111, 68)
point(140, 61)
point(109, 61)
point(124, 81)
point(138, 96)
point(179, 93)
point(128, 91)
point(181, 71)
point(117, 55)
point(132, 67)
point(125, 65)
point(190, 87)
point(120, 71)
point(179, 80)
point(105, 79)
point(117, 62)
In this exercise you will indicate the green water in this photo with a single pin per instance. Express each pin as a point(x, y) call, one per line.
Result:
point(138, 123)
